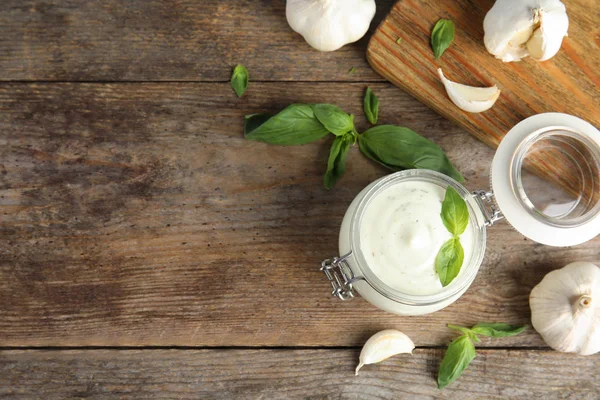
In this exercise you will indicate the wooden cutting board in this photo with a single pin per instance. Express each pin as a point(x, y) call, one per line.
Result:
point(568, 83)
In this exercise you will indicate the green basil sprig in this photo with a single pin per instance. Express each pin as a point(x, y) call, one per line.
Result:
point(371, 106)
point(441, 36)
point(239, 80)
point(394, 147)
point(455, 216)
point(461, 351)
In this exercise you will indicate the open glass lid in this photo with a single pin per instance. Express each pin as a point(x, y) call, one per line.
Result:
point(546, 179)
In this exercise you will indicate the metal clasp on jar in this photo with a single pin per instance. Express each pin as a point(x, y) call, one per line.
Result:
point(340, 276)
point(485, 201)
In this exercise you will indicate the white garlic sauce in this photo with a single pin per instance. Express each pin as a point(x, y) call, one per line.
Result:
point(401, 234)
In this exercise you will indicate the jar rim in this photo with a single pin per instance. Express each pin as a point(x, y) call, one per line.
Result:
point(517, 165)
point(458, 285)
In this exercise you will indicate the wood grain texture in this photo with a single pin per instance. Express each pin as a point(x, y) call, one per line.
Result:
point(136, 214)
point(568, 83)
point(160, 40)
point(287, 374)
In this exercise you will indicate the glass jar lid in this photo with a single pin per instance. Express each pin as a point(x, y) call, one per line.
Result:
point(546, 179)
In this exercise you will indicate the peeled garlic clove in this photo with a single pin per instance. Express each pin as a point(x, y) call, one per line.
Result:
point(470, 98)
point(517, 28)
point(383, 345)
point(327, 25)
point(565, 308)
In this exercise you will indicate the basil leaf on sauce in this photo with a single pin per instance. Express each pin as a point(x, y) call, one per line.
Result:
point(333, 118)
point(459, 355)
point(497, 329)
point(455, 213)
point(239, 80)
point(449, 260)
point(336, 165)
point(441, 36)
point(399, 148)
point(371, 106)
point(295, 125)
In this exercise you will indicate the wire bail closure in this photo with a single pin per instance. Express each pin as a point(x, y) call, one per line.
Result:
point(485, 201)
point(341, 276)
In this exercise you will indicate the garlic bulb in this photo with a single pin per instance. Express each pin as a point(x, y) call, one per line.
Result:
point(517, 28)
point(327, 25)
point(565, 308)
point(383, 345)
point(470, 98)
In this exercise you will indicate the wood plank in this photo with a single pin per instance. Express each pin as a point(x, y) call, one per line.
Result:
point(136, 214)
point(568, 83)
point(188, 40)
point(286, 374)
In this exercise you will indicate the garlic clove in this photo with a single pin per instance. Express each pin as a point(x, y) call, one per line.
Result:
point(383, 345)
point(469, 98)
point(546, 40)
point(565, 308)
point(328, 25)
point(515, 29)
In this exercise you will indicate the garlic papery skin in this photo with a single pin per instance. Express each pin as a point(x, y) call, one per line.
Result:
point(515, 29)
point(328, 25)
point(383, 345)
point(565, 308)
point(469, 98)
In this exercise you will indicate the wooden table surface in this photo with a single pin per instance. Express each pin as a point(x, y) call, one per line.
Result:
point(148, 251)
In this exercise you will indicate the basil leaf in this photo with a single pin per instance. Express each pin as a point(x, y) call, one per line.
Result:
point(371, 106)
point(294, 125)
point(334, 119)
point(336, 165)
point(455, 213)
point(459, 355)
point(399, 148)
point(497, 329)
point(239, 80)
point(441, 36)
point(449, 260)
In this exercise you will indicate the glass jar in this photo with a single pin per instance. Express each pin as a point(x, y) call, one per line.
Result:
point(563, 209)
